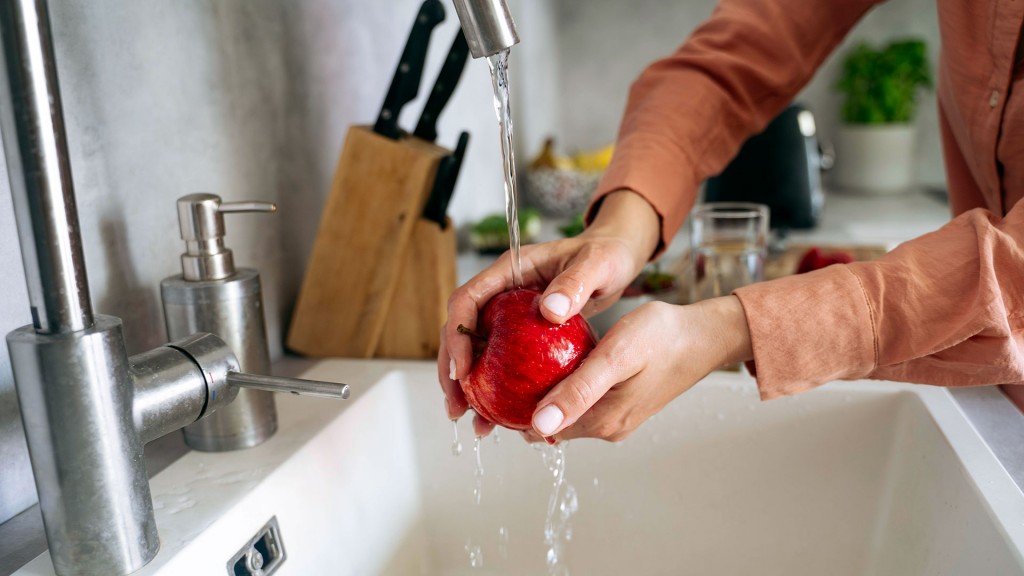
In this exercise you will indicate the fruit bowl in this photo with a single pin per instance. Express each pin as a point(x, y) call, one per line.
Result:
point(560, 192)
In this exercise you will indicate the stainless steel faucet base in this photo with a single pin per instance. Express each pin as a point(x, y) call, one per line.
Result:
point(75, 394)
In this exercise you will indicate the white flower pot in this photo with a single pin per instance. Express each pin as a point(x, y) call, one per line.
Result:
point(875, 159)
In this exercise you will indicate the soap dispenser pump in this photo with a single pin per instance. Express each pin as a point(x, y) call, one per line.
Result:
point(211, 295)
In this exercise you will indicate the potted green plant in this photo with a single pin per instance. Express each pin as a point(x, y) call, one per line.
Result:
point(876, 142)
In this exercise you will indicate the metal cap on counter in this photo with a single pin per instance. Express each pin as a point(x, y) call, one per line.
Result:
point(488, 26)
point(201, 219)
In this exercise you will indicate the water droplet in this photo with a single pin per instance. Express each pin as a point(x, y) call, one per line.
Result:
point(503, 543)
point(476, 555)
point(456, 445)
point(478, 471)
point(596, 482)
point(496, 436)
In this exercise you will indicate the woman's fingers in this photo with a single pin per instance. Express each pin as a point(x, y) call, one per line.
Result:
point(572, 397)
point(594, 271)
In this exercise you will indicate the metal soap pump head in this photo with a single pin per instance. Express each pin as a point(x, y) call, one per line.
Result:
point(201, 219)
point(488, 26)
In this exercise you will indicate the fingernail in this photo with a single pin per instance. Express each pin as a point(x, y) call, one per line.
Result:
point(557, 303)
point(550, 440)
point(451, 368)
point(548, 420)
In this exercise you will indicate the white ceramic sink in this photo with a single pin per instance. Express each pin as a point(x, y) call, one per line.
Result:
point(852, 478)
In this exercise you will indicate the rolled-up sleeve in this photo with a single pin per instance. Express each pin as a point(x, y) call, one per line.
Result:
point(946, 308)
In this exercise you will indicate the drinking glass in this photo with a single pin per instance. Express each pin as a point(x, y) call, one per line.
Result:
point(728, 243)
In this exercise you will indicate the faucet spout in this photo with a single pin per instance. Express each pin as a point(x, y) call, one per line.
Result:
point(488, 26)
point(40, 172)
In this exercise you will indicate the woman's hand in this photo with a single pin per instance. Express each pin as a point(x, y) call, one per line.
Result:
point(585, 274)
point(649, 357)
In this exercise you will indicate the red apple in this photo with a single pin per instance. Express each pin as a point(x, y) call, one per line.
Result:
point(815, 259)
point(519, 356)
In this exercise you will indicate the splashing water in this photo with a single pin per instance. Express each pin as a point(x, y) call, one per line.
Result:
point(473, 548)
point(476, 555)
point(562, 505)
point(478, 471)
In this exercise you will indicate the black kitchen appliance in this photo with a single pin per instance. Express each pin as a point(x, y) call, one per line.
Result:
point(780, 167)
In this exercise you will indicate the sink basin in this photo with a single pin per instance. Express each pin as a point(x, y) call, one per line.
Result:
point(852, 478)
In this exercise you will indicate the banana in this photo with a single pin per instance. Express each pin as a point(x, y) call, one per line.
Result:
point(549, 159)
point(595, 160)
point(589, 161)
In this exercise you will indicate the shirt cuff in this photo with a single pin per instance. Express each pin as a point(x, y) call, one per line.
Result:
point(808, 329)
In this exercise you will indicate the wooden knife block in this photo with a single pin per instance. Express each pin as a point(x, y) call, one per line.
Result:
point(420, 304)
point(379, 275)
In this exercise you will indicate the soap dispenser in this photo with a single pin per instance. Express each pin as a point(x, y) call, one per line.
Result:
point(211, 295)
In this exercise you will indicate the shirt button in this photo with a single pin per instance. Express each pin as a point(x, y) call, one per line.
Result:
point(993, 100)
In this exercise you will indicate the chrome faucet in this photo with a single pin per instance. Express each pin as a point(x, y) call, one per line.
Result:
point(87, 407)
point(488, 26)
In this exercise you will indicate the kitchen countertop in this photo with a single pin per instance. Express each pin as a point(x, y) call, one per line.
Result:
point(847, 219)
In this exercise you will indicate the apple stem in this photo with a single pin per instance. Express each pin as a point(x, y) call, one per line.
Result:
point(469, 332)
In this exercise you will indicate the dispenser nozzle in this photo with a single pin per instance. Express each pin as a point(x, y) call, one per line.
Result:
point(201, 219)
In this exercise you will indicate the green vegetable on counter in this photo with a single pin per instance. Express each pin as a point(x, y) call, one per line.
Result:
point(573, 228)
point(490, 235)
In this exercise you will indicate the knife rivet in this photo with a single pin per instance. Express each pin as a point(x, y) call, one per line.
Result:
point(404, 68)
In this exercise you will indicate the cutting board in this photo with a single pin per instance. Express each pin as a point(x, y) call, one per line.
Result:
point(374, 205)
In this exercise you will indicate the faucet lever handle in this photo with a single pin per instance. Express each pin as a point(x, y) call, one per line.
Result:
point(293, 385)
point(248, 206)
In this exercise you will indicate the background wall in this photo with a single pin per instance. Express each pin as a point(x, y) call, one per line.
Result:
point(251, 99)
point(603, 45)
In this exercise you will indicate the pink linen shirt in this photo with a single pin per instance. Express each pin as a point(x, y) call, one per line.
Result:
point(946, 308)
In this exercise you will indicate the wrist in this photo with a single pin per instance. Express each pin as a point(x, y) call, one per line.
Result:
point(628, 216)
point(729, 335)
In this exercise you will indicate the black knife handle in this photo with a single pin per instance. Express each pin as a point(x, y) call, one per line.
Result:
point(444, 86)
point(444, 183)
point(406, 82)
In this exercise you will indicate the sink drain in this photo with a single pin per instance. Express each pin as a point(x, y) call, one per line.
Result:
point(262, 555)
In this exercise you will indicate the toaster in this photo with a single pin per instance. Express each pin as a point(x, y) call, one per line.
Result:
point(781, 167)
